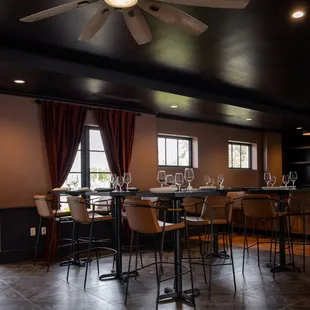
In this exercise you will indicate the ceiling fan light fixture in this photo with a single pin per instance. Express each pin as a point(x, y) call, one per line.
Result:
point(121, 4)
point(298, 14)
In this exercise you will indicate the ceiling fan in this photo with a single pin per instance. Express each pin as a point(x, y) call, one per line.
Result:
point(134, 18)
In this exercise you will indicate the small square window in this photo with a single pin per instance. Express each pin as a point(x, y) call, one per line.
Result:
point(239, 155)
point(174, 151)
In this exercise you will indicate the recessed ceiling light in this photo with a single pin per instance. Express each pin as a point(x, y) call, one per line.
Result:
point(298, 14)
point(173, 106)
point(299, 128)
point(19, 81)
point(248, 119)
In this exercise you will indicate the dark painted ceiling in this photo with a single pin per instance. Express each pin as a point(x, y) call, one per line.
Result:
point(256, 59)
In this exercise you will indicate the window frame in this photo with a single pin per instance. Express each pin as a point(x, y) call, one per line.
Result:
point(85, 156)
point(249, 145)
point(190, 147)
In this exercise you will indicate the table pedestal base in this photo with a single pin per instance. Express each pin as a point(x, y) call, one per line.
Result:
point(185, 296)
point(279, 268)
point(113, 276)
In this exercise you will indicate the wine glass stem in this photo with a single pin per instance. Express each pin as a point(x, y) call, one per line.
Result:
point(127, 187)
point(161, 185)
point(293, 184)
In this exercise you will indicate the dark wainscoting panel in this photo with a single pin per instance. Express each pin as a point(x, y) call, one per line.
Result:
point(16, 242)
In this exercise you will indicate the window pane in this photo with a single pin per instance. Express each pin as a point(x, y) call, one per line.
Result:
point(172, 156)
point(184, 153)
point(99, 180)
point(76, 167)
point(236, 156)
point(98, 162)
point(161, 152)
point(245, 156)
point(95, 141)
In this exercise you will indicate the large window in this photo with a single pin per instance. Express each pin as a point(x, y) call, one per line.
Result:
point(90, 167)
point(174, 151)
point(239, 155)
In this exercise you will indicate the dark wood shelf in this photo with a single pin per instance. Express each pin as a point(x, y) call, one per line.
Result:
point(306, 147)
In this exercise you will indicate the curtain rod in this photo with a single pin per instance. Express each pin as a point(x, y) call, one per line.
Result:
point(89, 106)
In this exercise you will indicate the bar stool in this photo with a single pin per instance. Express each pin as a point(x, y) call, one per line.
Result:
point(81, 215)
point(299, 205)
point(216, 211)
point(237, 206)
point(142, 218)
point(261, 207)
point(45, 210)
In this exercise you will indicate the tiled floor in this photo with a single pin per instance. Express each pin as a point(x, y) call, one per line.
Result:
point(23, 286)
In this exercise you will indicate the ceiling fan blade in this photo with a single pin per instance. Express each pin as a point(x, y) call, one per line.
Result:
point(56, 10)
point(137, 25)
point(223, 4)
point(95, 24)
point(173, 16)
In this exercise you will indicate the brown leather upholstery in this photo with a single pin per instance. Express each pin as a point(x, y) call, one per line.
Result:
point(80, 214)
point(142, 217)
point(222, 208)
point(258, 206)
point(44, 208)
point(193, 206)
point(299, 202)
point(219, 213)
point(236, 197)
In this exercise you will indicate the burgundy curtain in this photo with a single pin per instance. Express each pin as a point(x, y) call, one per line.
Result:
point(63, 128)
point(117, 130)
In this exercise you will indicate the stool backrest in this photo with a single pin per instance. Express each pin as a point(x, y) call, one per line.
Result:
point(258, 206)
point(78, 209)
point(218, 213)
point(299, 202)
point(141, 216)
point(44, 208)
point(193, 206)
point(236, 197)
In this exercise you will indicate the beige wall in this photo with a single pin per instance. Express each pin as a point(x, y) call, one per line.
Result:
point(273, 155)
point(24, 168)
point(213, 150)
point(23, 162)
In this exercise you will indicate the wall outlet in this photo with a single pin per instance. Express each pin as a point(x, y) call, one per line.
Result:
point(32, 231)
point(43, 230)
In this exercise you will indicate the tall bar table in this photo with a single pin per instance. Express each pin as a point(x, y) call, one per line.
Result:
point(117, 225)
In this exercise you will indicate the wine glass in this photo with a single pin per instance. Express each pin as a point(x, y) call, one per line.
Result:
point(206, 179)
point(267, 177)
point(285, 180)
point(211, 182)
point(120, 182)
point(127, 179)
point(220, 180)
point(179, 180)
point(113, 180)
point(273, 180)
point(189, 177)
point(69, 180)
point(293, 177)
point(75, 180)
point(170, 179)
point(161, 177)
